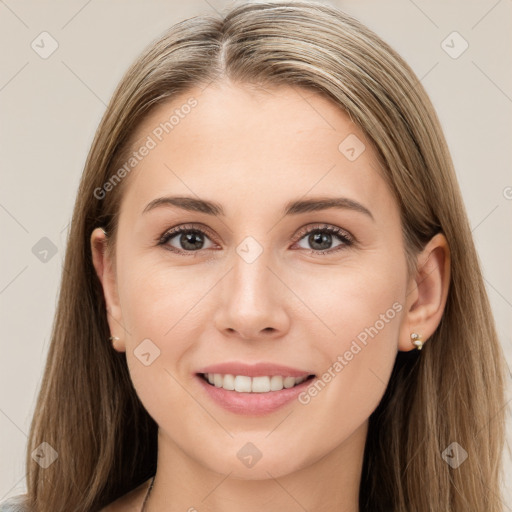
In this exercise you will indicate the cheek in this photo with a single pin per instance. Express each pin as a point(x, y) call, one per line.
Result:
point(360, 299)
point(358, 365)
point(147, 314)
point(157, 300)
point(162, 327)
point(164, 313)
point(360, 309)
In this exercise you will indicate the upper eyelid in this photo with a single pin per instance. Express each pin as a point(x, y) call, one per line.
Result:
point(176, 230)
point(327, 227)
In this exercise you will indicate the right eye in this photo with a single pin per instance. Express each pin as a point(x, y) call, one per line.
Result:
point(184, 240)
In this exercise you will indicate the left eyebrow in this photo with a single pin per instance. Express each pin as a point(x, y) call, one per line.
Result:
point(323, 203)
point(291, 208)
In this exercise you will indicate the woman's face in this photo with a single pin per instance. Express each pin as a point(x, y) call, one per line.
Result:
point(266, 276)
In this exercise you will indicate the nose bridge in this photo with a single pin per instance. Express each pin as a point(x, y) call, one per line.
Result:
point(250, 281)
point(251, 303)
point(250, 276)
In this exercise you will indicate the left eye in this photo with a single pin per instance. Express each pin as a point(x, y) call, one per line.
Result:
point(321, 239)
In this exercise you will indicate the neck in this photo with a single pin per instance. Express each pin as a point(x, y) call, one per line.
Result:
point(183, 483)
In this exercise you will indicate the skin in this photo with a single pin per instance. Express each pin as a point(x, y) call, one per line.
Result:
point(252, 151)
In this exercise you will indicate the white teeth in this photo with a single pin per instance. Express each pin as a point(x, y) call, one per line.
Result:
point(276, 383)
point(289, 382)
point(260, 384)
point(229, 382)
point(244, 384)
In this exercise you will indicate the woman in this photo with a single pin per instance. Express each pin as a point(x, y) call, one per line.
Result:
point(271, 299)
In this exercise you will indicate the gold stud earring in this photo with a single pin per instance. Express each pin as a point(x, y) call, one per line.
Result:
point(114, 338)
point(416, 340)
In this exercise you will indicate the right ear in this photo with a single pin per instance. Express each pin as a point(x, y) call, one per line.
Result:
point(105, 271)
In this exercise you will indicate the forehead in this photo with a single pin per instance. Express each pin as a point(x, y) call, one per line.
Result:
point(264, 144)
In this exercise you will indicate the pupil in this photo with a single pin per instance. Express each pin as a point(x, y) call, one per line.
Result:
point(191, 241)
point(319, 238)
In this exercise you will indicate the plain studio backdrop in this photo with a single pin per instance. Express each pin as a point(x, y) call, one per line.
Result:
point(60, 64)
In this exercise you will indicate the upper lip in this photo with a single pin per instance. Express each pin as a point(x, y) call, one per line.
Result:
point(254, 370)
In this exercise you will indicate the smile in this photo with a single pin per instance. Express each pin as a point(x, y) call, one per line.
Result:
point(245, 384)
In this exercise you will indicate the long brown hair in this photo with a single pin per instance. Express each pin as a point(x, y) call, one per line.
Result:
point(451, 391)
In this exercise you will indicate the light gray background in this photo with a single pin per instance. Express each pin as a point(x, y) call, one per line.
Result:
point(50, 109)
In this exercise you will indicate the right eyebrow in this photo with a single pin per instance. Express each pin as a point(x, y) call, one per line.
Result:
point(187, 203)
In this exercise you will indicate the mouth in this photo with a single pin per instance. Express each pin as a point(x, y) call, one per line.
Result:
point(246, 384)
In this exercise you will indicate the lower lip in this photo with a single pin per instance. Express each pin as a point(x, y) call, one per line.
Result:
point(253, 404)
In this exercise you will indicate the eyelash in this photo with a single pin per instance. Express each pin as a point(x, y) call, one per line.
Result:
point(346, 239)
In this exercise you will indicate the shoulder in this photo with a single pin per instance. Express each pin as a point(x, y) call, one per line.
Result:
point(15, 504)
point(130, 502)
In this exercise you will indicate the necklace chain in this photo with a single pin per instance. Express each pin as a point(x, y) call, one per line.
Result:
point(147, 495)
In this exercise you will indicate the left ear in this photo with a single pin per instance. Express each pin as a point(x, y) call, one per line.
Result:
point(427, 293)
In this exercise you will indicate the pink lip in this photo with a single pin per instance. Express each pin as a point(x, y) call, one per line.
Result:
point(255, 370)
point(252, 404)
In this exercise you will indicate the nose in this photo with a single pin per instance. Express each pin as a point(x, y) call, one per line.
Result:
point(252, 301)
